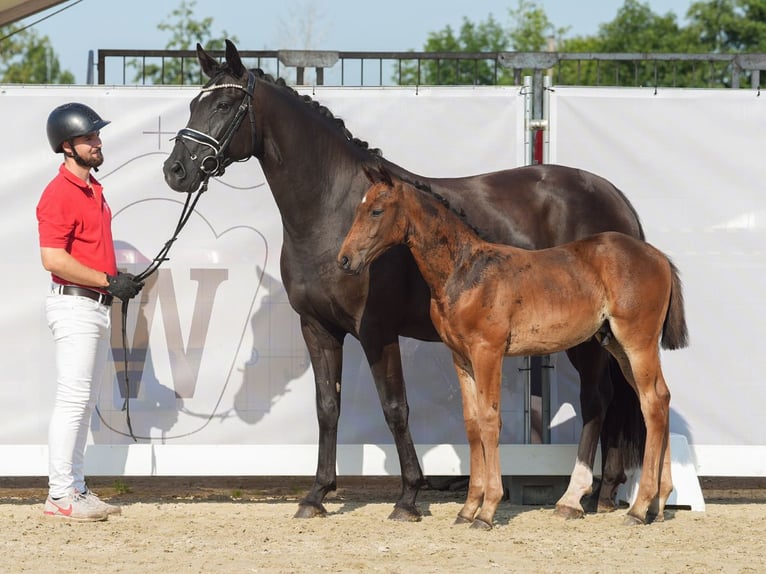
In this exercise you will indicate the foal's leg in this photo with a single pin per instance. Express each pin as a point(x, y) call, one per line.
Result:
point(643, 367)
point(591, 363)
point(476, 485)
point(488, 366)
point(657, 510)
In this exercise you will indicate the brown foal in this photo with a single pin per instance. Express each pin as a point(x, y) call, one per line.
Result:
point(490, 300)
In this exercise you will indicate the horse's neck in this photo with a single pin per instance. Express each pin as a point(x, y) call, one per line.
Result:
point(305, 158)
point(439, 240)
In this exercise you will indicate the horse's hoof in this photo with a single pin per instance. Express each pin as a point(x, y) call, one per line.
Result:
point(606, 506)
point(462, 520)
point(651, 517)
point(631, 520)
point(480, 524)
point(310, 511)
point(568, 513)
point(405, 514)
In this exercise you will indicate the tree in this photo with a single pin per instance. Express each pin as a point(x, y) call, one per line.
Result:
point(487, 36)
point(530, 30)
point(186, 32)
point(635, 29)
point(715, 26)
point(26, 57)
point(727, 26)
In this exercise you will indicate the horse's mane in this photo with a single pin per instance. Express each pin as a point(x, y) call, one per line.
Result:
point(316, 106)
point(426, 188)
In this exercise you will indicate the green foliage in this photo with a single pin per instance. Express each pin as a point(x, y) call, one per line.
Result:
point(714, 26)
point(530, 30)
point(487, 36)
point(185, 32)
point(729, 25)
point(121, 487)
point(28, 58)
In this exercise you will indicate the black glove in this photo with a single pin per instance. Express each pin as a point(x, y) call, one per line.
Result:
point(123, 285)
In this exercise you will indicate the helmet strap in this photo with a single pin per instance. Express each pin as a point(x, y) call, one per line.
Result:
point(78, 160)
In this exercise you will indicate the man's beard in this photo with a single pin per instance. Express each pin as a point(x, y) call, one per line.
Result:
point(94, 161)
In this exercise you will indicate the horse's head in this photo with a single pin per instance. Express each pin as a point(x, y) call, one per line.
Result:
point(378, 223)
point(216, 134)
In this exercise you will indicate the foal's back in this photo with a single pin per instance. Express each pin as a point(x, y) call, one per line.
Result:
point(536, 302)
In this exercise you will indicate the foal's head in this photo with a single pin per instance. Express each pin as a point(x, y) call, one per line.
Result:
point(379, 223)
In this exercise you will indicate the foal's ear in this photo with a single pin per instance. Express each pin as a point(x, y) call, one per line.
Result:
point(378, 174)
point(233, 59)
point(208, 64)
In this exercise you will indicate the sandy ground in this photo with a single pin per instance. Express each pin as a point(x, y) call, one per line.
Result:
point(179, 525)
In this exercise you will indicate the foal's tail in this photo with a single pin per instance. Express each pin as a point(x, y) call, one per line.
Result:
point(674, 332)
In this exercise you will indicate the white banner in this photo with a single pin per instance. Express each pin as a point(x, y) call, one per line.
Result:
point(221, 379)
point(216, 356)
point(691, 162)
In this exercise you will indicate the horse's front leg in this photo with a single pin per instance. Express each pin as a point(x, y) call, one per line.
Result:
point(591, 363)
point(476, 485)
point(326, 352)
point(386, 366)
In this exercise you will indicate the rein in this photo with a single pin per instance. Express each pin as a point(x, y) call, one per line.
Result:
point(212, 165)
point(161, 257)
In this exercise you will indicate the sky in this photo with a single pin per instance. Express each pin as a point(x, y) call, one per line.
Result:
point(343, 25)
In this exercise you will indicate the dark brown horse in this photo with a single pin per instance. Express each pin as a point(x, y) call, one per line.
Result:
point(489, 301)
point(314, 169)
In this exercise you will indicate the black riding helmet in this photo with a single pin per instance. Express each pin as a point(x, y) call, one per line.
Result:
point(70, 121)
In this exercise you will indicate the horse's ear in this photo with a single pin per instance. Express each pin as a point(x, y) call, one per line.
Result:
point(208, 64)
point(233, 59)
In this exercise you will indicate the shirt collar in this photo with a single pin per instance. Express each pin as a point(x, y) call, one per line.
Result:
point(72, 178)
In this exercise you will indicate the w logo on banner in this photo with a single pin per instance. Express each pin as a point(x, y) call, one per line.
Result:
point(184, 356)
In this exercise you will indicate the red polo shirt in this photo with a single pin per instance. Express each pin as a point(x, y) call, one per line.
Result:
point(76, 217)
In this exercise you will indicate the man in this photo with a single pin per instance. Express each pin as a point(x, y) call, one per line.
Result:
point(74, 224)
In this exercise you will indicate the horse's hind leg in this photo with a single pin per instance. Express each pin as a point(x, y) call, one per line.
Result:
point(622, 437)
point(591, 363)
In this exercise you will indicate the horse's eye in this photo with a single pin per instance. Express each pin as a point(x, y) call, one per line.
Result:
point(377, 212)
point(223, 106)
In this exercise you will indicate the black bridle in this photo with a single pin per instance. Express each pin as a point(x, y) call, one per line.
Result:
point(214, 164)
point(211, 165)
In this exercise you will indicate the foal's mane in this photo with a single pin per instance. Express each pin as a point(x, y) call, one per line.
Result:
point(316, 106)
point(425, 187)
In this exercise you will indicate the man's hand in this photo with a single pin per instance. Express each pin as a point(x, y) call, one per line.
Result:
point(123, 285)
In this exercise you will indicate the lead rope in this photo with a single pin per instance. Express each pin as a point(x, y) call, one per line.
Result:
point(161, 257)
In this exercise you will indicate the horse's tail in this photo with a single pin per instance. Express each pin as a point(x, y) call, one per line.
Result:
point(624, 426)
point(674, 332)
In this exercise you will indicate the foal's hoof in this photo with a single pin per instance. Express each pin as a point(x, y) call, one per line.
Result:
point(404, 513)
point(479, 524)
point(568, 513)
point(306, 510)
point(631, 520)
point(462, 520)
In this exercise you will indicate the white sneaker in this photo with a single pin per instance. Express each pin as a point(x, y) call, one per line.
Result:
point(96, 502)
point(74, 507)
